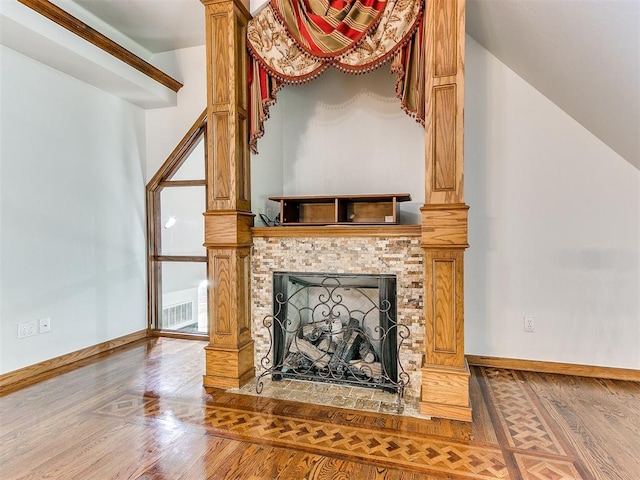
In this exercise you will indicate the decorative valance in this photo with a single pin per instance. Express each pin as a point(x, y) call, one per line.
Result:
point(294, 41)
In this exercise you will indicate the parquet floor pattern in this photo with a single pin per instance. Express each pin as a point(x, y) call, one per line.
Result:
point(524, 429)
point(141, 413)
point(396, 449)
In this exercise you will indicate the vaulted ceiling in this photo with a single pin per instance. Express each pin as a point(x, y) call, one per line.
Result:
point(584, 55)
point(157, 25)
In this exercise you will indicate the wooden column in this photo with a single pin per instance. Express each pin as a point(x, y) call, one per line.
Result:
point(445, 373)
point(228, 219)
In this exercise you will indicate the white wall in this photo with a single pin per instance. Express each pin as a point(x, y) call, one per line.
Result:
point(267, 167)
point(554, 220)
point(555, 214)
point(72, 221)
point(167, 126)
point(349, 114)
point(345, 134)
point(554, 228)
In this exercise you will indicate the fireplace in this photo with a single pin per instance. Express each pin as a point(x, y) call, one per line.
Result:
point(399, 256)
point(238, 286)
point(335, 328)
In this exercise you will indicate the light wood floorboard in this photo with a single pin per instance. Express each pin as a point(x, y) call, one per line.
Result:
point(140, 412)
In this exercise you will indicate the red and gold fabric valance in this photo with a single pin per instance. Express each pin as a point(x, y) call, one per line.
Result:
point(294, 41)
point(328, 28)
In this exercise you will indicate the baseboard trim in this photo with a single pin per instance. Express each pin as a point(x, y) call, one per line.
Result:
point(23, 377)
point(181, 336)
point(611, 373)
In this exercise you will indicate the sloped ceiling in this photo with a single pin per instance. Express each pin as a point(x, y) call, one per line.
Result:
point(28, 32)
point(584, 55)
point(157, 25)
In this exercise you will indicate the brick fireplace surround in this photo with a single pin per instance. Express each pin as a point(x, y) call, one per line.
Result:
point(399, 256)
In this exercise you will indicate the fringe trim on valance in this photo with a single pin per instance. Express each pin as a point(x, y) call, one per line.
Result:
point(277, 58)
point(409, 67)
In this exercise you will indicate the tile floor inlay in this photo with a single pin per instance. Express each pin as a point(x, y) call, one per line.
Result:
point(400, 450)
point(523, 423)
point(525, 429)
point(535, 468)
point(530, 447)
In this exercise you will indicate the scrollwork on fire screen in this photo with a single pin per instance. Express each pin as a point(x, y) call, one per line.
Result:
point(332, 329)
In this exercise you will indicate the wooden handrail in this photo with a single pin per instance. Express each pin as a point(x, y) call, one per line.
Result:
point(76, 26)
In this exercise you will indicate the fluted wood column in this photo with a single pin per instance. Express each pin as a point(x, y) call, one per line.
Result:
point(445, 373)
point(228, 219)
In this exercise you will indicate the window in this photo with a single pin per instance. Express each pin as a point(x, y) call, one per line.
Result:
point(177, 260)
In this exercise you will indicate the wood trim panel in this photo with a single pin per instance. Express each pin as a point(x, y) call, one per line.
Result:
point(227, 228)
point(241, 84)
point(338, 231)
point(153, 247)
point(241, 91)
point(441, 410)
point(177, 258)
point(444, 215)
point(202, 337)
point(222, 177)
point(444, 139)
point(38, 372)
point(229, 368)
point(221, 296)
point(184, 183)
point(243, 162)
point(444, 226)
point(611, 373)
point(244, 293)
point(444, 144)
point(84, 31)
point(446, 391)
point(228, 219)
point(229, 300)
point(240, 8)
point(445, 38)
point(243, 282)
point(444, 102)
point(444, 307)
point(220, 64)
point(227, 97)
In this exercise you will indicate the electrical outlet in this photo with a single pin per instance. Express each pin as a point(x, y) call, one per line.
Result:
point(45, 325)
point(530, 324)
point(27, 329)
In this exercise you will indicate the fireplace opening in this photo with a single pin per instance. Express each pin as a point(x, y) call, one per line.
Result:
point(335, 328)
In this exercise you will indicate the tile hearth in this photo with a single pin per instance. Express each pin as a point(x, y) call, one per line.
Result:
point(339, 396)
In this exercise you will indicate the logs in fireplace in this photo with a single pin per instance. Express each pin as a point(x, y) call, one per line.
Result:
point(337, 329)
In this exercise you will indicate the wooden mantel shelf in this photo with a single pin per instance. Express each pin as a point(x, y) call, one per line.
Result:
point(338, 231)
point(378, 209)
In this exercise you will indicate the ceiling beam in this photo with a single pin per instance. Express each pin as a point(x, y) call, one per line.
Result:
point(76, 26)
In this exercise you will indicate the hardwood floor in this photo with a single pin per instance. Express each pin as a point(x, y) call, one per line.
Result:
point(141, 413)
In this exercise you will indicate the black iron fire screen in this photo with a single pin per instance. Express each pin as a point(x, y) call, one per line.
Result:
point(335, 328)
